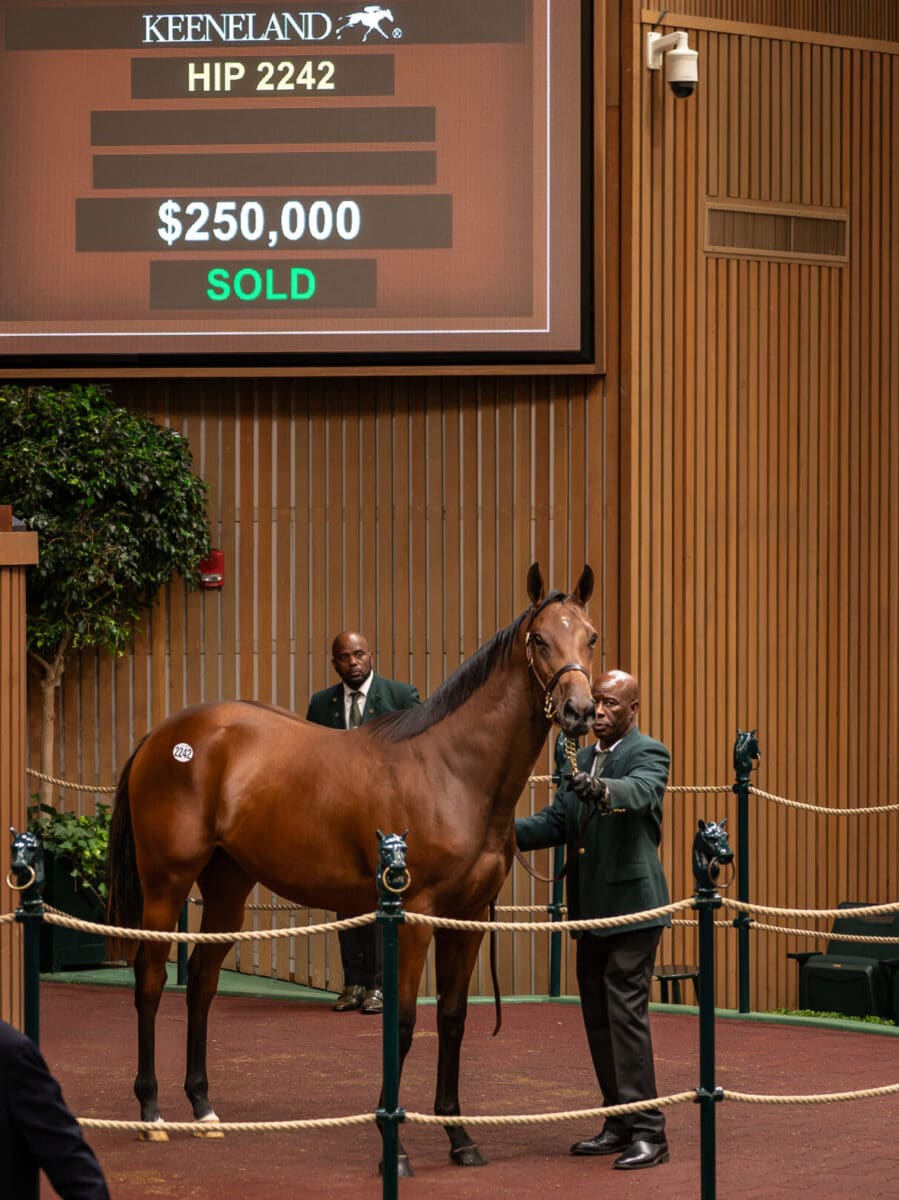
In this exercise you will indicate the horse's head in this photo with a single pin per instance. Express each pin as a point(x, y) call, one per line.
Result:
point(559, 643)
point(26, 860)
point(711, 850)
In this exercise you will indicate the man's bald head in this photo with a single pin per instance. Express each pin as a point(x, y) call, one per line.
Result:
point(617, 698)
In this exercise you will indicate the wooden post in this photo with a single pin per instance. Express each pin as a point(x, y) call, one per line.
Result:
point(18, 549)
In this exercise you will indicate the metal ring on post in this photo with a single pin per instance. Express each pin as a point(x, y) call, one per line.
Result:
point(733, 872)
point(407, 879)
point(20, 887)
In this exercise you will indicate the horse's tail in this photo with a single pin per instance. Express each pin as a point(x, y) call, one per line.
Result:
point(125, 899)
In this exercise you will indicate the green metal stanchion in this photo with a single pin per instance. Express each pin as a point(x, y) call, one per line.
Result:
point(556, 908)
point(746, 756)
point(27, 865)
point(393, 879)
point(710, 849)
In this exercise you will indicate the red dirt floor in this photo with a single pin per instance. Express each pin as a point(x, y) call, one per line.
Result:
point(272, 1060)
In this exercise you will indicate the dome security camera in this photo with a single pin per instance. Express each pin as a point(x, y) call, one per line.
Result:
point(681, 63)
point(681, 71)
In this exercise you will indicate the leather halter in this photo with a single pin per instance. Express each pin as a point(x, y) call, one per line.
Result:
point(550, 708)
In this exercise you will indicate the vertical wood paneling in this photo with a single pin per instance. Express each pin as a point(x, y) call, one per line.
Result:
point(16, 549)
point(769, 600)
point(409, 509)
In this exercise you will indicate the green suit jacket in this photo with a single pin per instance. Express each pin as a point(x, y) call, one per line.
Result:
point(613, 860)
point(384, 696)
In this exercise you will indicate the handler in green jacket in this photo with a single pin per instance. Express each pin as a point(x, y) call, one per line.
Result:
point(609, 815)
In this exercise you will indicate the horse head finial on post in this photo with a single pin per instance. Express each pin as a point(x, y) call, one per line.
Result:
point(27, 865)
point(746, 754)
point(711, 851)
point(393, 874)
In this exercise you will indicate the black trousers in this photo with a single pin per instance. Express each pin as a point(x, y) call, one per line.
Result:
point(614, 975)
point(360, 955)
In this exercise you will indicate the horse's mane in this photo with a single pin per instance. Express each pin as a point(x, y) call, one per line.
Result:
point(454, 691)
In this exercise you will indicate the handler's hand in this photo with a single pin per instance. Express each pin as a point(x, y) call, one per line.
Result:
point(590, 790)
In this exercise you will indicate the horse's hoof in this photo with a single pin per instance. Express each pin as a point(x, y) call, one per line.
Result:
point(403, 1167)
point(152, 1135)
point(211, 1120)
point(467, 1156)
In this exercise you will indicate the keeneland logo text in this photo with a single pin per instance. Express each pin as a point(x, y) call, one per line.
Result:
point(231, 27)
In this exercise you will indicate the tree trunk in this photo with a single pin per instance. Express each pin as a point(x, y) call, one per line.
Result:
point(51, 677)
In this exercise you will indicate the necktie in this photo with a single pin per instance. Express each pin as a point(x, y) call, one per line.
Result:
point(600, 758)
point(355, 710)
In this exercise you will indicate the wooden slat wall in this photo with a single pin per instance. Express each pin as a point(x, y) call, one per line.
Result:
point(409, 509)
point(16, 550)
point(761, 486)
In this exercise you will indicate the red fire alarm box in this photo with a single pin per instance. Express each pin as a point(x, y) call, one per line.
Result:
point(212, 570)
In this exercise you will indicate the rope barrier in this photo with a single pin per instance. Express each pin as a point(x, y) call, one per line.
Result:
point(821, 1098)
point(823, 809)
point(65, 783)
point(53, 916)
point(868, 910)
point(216, 1127)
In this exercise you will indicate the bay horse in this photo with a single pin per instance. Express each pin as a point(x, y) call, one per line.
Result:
point(228, 794)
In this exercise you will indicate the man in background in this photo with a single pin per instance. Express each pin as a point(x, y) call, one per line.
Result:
point(360, 696)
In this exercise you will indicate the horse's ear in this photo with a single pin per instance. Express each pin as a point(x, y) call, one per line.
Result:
point(723, 822)
point(535, 583)
point(701, 824)
point(583, 589)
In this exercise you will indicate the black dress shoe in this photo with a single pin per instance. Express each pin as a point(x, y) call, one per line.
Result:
point(373, 1001)
point(349, 999)
point(642, 1154)
point(607, 1142)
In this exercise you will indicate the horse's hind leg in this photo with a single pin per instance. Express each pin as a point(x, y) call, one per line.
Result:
point(224, 887)
point(149, 979)
point(456, 954)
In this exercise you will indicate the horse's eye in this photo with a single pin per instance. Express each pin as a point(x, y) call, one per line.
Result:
point(539, 642)
point(593, 640)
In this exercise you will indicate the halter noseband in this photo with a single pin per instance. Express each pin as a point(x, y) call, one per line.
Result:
point(550, 708)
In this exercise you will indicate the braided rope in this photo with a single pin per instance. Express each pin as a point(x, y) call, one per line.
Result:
point(826, 811)
point(553, 1118)
point(65, 783)
point(413, 918)
point(416, 1118)
point(54, 917)
point(822, 1098)
point(869, 910)
point(216, 1127)
point(823, 933)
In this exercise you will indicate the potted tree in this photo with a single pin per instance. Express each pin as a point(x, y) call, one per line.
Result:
point(75, 850)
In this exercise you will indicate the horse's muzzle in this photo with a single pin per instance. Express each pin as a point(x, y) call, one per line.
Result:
point(576, 716)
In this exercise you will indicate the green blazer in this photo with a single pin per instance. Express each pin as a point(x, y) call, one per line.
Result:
point(384, 696)
point(613, 860)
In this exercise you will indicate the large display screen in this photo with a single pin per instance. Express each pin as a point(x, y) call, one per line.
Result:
point(294, 184)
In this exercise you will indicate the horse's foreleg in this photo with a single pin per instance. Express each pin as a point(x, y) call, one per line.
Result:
point(224, 888)
point(414, 942)
point(457, 952)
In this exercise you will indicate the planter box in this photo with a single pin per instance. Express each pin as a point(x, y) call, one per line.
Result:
point(69, 949)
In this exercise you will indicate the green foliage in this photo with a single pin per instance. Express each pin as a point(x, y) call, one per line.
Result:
point(83, 841)
point(116, 506)
point(830, 1016)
